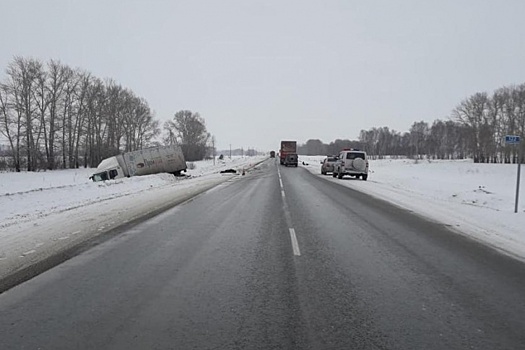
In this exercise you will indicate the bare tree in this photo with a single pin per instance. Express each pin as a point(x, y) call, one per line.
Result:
point(418, 138)
point(22, 76)
point(140, 127)
point(10, 124)
point(520, 114)
point(472, 112)
point(81, 96)
point(53, 99)
point(68, 115)
point(190, 131)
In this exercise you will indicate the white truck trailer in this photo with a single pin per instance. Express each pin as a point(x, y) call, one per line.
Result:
point(162, 159)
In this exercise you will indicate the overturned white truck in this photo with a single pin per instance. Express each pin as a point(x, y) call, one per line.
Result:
point(162, 159)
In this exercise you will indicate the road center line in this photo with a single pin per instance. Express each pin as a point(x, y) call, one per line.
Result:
point(293, 237)
point(295, 244)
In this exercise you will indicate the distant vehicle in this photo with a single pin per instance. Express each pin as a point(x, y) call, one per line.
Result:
point(288, 153)
point(162, 159)
point(272, 154)
point(351, 162)
point(328, 165)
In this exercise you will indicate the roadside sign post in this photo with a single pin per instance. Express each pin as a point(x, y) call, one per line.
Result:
point(518, 184)
point(515, 140)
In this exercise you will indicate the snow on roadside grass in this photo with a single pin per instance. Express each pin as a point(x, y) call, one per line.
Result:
point(475, 199)
point(27, 196)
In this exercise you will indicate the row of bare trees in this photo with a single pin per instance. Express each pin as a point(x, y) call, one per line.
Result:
point(53, 116)
point(475, 129)
point(317, 147)
point(488, 118)
point(442, 140)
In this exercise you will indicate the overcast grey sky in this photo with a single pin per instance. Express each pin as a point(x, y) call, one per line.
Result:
point(262, 71)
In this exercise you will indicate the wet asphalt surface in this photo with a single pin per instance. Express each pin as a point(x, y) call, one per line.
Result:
point(220, 272)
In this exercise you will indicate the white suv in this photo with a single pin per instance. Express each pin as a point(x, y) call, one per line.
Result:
point(351, 162)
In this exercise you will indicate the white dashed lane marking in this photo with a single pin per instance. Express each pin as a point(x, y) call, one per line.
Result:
point(293, 236)
point(295, 244)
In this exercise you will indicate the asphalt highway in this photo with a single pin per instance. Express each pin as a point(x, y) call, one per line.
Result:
point(277, 259)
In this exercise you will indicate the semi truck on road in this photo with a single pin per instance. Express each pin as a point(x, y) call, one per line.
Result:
point(288, 153)
point(154, 160)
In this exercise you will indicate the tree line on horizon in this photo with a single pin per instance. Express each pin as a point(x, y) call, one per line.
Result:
point(55, 117)
point(475, 129)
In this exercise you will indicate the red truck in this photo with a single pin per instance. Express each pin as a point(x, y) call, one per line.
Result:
point(288, 153)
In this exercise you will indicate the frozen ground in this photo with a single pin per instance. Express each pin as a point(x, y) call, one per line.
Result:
point(474, 199)
point(46, 212)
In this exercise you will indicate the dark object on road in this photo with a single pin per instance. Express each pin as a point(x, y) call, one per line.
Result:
point(272, 154)
point(229, 171)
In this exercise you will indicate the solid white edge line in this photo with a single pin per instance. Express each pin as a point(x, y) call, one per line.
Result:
point(295, 244)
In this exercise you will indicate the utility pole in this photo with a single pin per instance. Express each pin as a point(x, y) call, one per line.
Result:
point(213, 150)
point(515, 140)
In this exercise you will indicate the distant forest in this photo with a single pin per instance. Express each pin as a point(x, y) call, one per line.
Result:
point(476, 129)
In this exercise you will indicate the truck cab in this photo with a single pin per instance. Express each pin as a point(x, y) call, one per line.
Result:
point(108, 169)
point(105, 175)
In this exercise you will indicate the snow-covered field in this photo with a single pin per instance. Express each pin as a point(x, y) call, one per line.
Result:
point(42, 213)
point(45, 212)
point(27, 196)
point(474, 199)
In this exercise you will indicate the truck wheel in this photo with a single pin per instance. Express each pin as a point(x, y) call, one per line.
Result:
point(340, 175)
point(364, 177)
point(334, 174)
